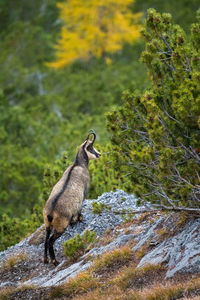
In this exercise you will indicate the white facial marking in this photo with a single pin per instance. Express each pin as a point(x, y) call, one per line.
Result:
point(93, 155)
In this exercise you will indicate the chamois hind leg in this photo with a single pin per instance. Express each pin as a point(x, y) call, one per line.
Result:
point(76, 218)
point(46, 245)
point(52, 240)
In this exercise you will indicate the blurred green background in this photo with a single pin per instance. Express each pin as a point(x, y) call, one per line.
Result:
point(45, 112)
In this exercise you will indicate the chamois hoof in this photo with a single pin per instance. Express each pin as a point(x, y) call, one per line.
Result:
point(46, 261)
point(80, 218)
point(55, 262)
point(72, 223)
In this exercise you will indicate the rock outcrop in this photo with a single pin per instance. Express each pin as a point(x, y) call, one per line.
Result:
point(169, 239)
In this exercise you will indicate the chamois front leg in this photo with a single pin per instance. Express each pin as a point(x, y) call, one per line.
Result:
point(80, 217)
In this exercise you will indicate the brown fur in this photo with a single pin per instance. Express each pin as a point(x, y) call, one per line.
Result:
point(65, 201)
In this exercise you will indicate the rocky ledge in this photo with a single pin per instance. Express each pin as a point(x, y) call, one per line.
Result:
point(172, 240)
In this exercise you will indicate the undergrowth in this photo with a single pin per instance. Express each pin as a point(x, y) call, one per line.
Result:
point(77, 245)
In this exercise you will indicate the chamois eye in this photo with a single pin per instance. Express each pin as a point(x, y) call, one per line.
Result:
point(89, 148)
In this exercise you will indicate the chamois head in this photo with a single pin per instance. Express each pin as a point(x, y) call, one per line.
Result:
point(92, 153)
point(87, 151)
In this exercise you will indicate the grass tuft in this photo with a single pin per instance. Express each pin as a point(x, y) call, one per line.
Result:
point(7, 292)
point(142, 250)
point(107, 259)
point(13, 261)
point(170, 291)
point(56, 292)
point(81, 284)
point(182, 219)
point(135, 276)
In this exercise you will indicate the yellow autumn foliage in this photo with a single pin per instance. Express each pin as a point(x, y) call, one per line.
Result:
point(94, 28)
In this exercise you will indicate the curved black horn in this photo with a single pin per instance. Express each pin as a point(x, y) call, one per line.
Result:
point(87, 138)
point(91, 131)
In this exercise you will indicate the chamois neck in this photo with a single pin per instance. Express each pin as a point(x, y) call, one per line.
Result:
point(82, 158)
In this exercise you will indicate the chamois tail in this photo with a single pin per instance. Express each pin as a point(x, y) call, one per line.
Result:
point(50, 218)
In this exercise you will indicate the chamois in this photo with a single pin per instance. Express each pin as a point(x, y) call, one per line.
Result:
point(65, 201)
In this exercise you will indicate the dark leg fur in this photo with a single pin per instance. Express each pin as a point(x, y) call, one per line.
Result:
point(46, 245)
point(80, 217)
point(75, 219)
point(52, 240)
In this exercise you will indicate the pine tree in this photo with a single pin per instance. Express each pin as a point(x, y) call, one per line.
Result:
point(156, 135)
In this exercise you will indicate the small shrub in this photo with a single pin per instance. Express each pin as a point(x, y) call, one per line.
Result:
point(78, 244)
point(127, 217)
point(97, 208)
point(123, 199)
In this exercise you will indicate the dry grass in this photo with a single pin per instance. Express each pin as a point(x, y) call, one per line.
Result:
point(162, 232)
point(106, 238)
point(162, 292)
point(168, 291)
point(8, 292)
point(88, 281)
point(5, 293)
point(107, 259)
point(143, 217)
point(103, 294)
point(105, 281)
point(142, 250)
point(182, 219)
point(13, 261)
point(137, 277)
point(79, 285)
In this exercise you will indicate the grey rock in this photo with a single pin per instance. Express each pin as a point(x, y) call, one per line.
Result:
point(97, 223)
point(147, 234)
point(179, 251)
